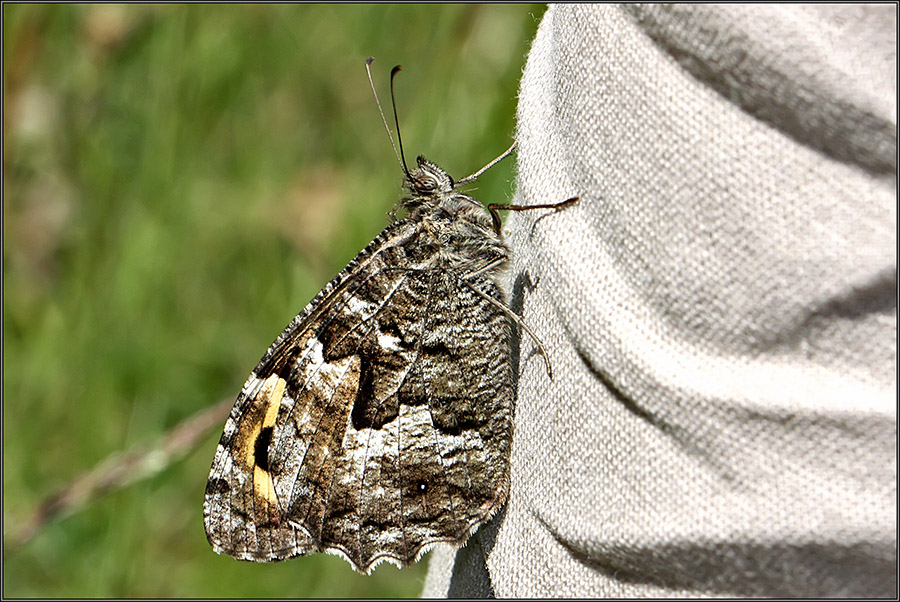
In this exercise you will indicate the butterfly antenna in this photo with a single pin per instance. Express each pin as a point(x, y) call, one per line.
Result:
point(381, 112)
point(397, 121)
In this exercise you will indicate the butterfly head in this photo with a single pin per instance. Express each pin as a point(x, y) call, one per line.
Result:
point(428, 180)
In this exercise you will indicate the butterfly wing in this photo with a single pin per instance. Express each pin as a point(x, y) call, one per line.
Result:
point(376, 424)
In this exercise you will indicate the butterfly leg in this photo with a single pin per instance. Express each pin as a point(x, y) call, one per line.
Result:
point(475, 175)
point(496, 208)
point(510, 313)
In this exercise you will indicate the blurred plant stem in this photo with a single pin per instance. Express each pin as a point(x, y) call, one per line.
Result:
point(117, 471)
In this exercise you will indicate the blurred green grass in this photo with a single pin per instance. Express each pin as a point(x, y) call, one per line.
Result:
point(179, 181)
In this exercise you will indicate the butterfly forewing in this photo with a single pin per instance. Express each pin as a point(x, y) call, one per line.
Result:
point(378, 422)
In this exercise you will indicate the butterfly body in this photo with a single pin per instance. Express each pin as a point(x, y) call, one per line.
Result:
point(379, 422)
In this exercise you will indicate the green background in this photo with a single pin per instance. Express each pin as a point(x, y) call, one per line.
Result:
point(179, 181)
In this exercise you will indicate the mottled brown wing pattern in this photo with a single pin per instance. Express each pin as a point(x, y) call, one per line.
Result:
point(379, 421)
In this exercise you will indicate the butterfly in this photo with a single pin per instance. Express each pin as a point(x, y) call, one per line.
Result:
point(379, 422)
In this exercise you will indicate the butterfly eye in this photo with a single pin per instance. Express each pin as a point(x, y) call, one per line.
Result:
point(427, 184)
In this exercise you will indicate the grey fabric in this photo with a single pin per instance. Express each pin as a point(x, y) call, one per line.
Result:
point(719, 308)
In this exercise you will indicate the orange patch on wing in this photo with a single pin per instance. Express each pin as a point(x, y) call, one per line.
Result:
point(263, 486)
point(263, 416)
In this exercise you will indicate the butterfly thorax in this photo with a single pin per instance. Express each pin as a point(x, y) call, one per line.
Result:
point(457, 226)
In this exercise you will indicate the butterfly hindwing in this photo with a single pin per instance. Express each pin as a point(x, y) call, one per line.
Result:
point(378, 422)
